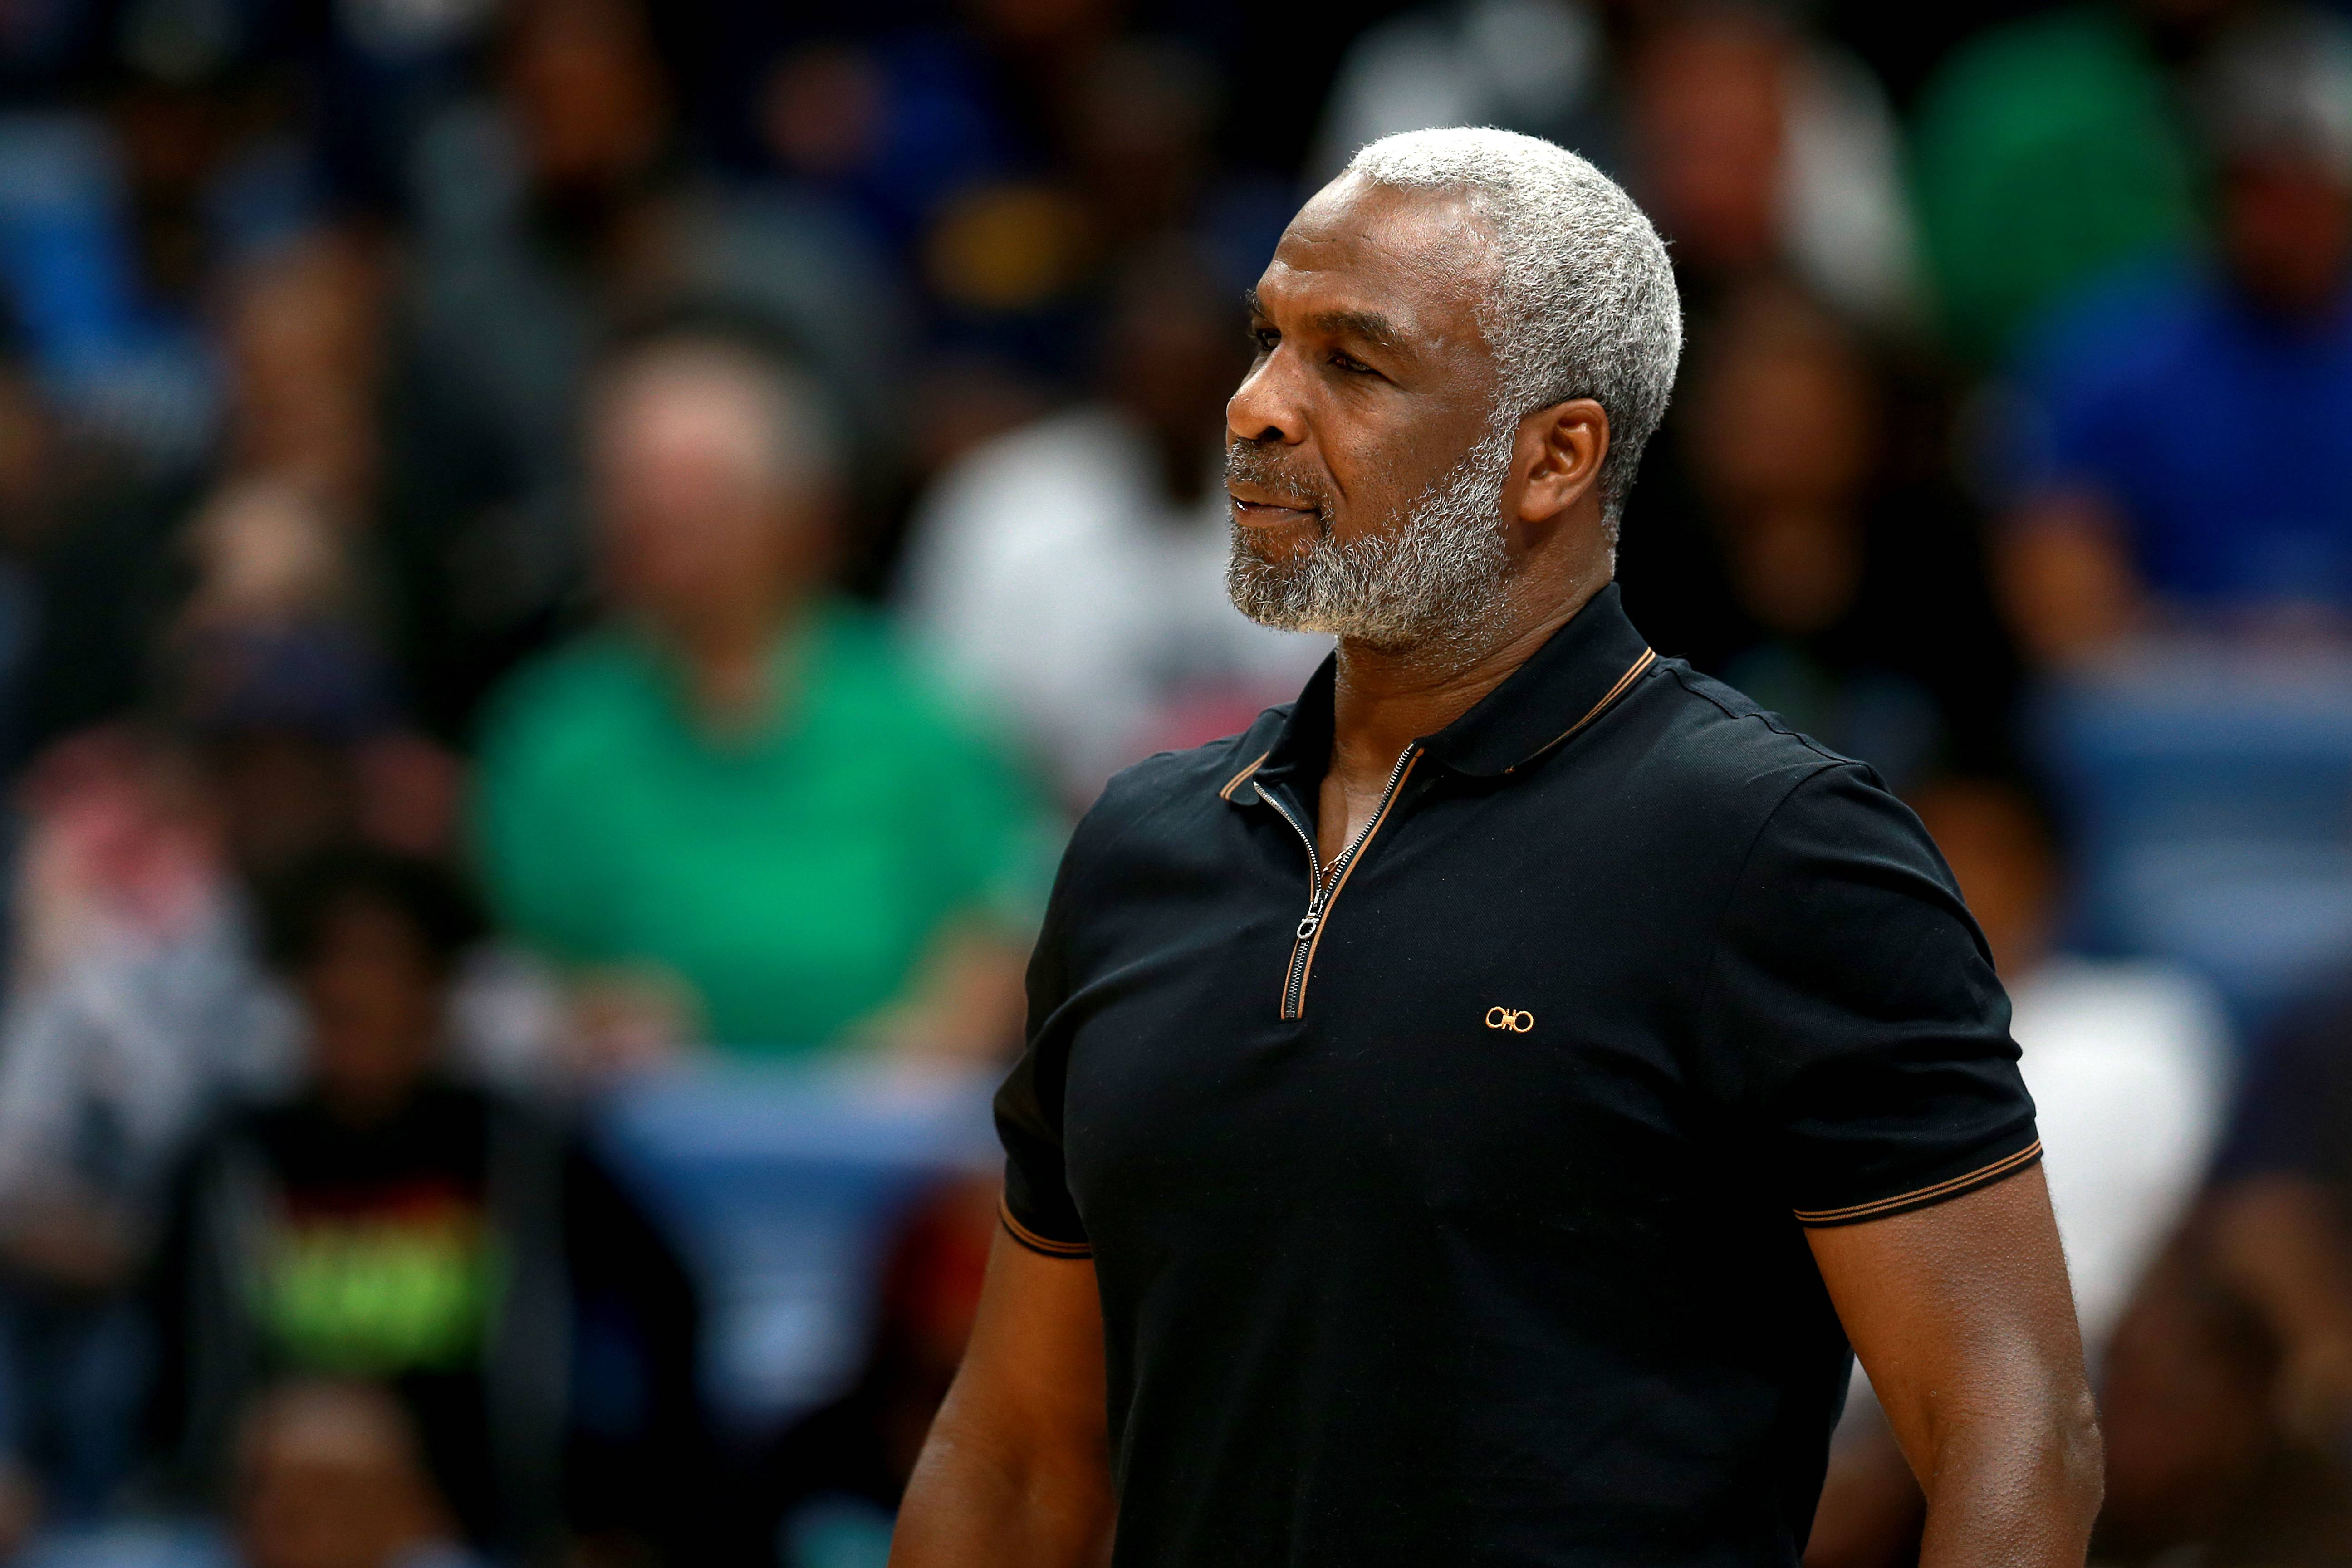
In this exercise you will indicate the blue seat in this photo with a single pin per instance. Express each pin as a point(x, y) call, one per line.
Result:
point(162, 1544)
point(781, 1183)
point(2210, 802)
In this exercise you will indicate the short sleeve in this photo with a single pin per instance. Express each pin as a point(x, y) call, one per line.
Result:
point(1038, 1210)
point(1854, 1000)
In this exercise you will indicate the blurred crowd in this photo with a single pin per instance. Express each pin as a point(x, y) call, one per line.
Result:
point(547, 545)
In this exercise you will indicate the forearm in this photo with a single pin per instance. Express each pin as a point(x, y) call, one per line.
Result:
point(972, 1505)
point(2020, 1494)
point(1962, 1315)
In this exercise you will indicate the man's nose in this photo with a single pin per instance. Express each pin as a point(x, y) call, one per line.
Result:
point(1263, 408)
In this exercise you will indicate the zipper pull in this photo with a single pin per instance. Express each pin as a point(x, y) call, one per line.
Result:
point(1307, 927)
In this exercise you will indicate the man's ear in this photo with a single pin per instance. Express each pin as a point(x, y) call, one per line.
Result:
point(1557, 459)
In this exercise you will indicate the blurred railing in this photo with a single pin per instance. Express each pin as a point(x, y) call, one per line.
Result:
point(2209, 795)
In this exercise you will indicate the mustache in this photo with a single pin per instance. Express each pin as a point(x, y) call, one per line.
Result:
point(1248, 463)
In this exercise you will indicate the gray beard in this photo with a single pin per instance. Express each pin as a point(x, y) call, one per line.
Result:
point(1425, 585)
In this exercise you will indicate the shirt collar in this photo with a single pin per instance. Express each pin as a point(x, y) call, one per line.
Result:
point(1565, 684)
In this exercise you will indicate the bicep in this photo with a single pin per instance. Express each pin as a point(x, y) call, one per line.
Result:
point(1961, 1313)
point(1017, 1469)
point(1032, 1383)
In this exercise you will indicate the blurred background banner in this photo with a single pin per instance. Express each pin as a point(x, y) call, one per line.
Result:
point(566, 567)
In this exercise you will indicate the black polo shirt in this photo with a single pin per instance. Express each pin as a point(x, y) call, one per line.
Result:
point(1455, 1214)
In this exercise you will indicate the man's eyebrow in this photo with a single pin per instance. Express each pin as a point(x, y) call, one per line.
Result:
point(1369, 325)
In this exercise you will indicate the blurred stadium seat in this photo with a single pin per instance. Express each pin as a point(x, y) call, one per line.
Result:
point(2211, 798)
point(780, 1182)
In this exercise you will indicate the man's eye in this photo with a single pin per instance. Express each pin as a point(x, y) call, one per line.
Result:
point(1352, 365)
point(1265, 337)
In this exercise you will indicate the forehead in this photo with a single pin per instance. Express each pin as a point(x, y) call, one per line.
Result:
point(1420, 258)
point(705, 409)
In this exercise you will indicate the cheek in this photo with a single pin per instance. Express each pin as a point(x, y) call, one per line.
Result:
point(1380, 476)
point(1368, 465)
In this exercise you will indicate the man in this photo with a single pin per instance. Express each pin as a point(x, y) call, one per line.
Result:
point(792, 844)
point(2120, 528)
point(390, 1222)
point(1467, 1115)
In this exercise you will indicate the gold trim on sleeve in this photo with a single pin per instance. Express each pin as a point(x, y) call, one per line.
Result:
point(1036, 1243)
point(1980, 1177)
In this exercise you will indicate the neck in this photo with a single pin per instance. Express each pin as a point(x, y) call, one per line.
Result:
point(726, 655)
point(1385, 698)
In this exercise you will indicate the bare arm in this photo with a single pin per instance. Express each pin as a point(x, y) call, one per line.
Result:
point(1962, 1316)
point(965, 1003)
point(1017, 1470)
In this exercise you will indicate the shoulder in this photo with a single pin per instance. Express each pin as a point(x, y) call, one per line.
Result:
point(867, 674)
point(1710, 745)
point(1726, 787)
point(1170, 802)
point(1087, 446)
point(562, 691)
point(2077, 58)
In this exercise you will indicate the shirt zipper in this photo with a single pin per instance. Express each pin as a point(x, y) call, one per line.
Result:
point(1322, 889)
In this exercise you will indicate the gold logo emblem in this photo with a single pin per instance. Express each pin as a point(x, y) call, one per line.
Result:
point(1510, 1018)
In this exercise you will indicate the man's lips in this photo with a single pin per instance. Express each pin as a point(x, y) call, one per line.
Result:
point(1256, 507)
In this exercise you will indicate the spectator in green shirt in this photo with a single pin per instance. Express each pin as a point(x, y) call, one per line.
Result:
point(737, 794)
point(2049, 152)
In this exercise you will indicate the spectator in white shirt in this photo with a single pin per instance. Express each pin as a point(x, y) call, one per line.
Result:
point(1071, 574)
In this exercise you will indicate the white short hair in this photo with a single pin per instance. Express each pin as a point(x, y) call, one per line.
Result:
point(1583, 302)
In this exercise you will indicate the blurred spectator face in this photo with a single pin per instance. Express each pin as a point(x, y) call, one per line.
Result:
point(588, 94)
point(706, 514)
point(823, 110)
point(1784, 412)
point(266, 552)
point(29, 460)
point(1030, 26)
point(373, 993)
point(305, 348)
point(2286, 230)
point(2181, 23)
point(958, 402)
point(1707, 130)
point(285, 709)
point(330, 1478)
point(2000, 856)
point(1137, 129)
point(172, 140)
point(1783, 436)
point(282, 794)
point(1173, 351)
